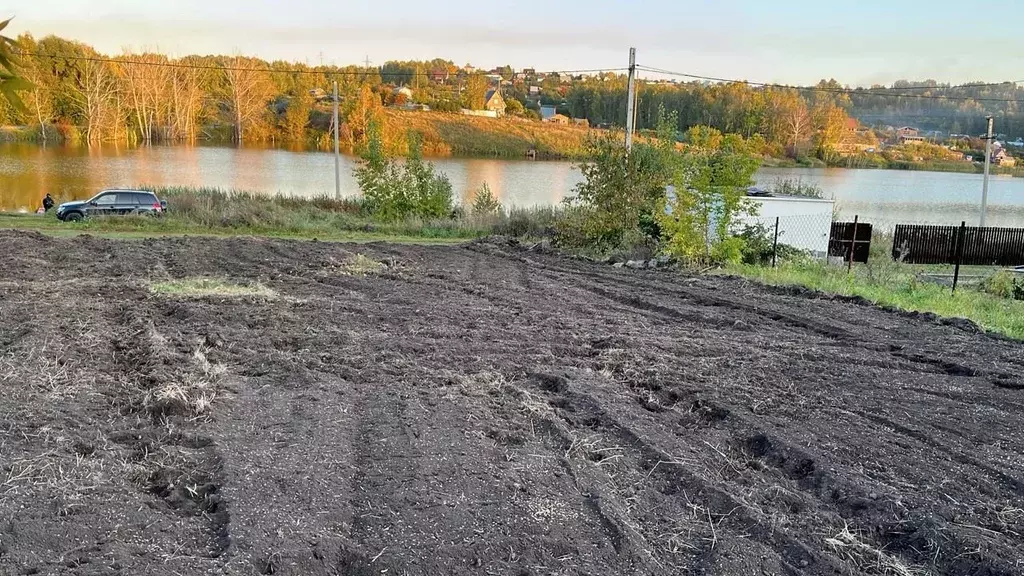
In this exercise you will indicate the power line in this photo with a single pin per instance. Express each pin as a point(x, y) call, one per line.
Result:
point(315, 71)
point(853, 91)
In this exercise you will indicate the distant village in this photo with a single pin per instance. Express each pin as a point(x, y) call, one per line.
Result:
point(530, 89)
point(543, 96)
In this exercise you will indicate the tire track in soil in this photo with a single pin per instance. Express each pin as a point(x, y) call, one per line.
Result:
point(689, 292)
point(1015, 484)
point(288, 478)
point(190, 479)
point(564, 275)
point(656, 465)
point(849, 504)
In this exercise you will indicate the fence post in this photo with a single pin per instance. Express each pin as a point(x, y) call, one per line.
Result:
point(958, 253)
point(775, 242)
point(853, 245)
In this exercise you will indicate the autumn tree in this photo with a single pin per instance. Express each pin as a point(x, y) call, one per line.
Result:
point(830, 123)
point(368, 110)
point(97, 100)
point(514, 107)
point(474, 95)
point(38, 99)
point(188, 93)
point(786, 119)
point(145, 81)
point(249, 91)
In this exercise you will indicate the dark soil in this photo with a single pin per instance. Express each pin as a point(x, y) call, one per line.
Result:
point(486, 409)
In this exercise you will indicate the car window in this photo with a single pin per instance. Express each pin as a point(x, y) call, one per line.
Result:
point(106, 200)
point(145, 199)
point(127, 199)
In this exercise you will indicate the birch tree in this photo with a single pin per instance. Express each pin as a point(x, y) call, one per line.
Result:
point(249, 91)
point(97, 88)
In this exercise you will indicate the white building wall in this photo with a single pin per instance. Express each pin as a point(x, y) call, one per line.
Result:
point(804, 223)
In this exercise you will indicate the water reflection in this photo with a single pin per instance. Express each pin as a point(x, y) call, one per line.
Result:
point(28, 172)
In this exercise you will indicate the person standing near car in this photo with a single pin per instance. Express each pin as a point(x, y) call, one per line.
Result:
point(47, 203)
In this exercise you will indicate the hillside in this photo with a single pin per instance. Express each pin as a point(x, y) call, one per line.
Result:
point(456, 134)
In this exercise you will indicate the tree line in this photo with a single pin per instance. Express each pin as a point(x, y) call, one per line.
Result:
point(77, 93)
point(84, 95)
point(788, 116)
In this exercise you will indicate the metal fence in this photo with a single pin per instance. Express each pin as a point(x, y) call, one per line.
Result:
point(808, 233)
point(967, 245)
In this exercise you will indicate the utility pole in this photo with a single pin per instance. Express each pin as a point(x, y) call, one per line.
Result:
point(337, 147)
point(636, 104)
point(631, 100)
point(988, 164)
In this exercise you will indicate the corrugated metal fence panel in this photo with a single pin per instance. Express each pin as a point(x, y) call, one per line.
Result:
point(841, 237)
point(916, 244)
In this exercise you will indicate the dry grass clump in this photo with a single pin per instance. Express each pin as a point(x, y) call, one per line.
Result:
point(191, 392)
point(362, 265)
point(207, 287)
point(868, 559)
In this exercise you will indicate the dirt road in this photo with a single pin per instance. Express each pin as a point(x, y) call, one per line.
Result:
point(484, 409)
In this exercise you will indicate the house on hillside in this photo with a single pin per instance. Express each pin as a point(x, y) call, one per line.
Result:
point(403, 91)
point(908, 135)
point(494, 102)
point(559, 119)
point(439, 75)
point(547, 112)
point(534, 91)
point(1001, 158)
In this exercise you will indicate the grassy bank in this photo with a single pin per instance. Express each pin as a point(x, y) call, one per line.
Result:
point(219, 212)
point(897, 285)
point(503, 137)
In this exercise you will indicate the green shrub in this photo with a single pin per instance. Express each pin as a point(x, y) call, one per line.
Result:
point(709, 194)
point(615, 205)
point(1005, 285)
point(485, 202)
point(395, 191)
point(757, 247)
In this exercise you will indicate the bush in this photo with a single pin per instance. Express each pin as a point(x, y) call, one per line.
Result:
point(529, 223)
point(709, 194)
point(757, 247)
point(394, 191)
point(485, 202)
point(615, 205)
point(1005, 285)
point(796, 187)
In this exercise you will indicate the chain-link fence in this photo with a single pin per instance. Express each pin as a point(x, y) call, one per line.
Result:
point(807, 234)
point(820, 236)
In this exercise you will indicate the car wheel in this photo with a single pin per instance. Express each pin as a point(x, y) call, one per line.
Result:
point(73, 217)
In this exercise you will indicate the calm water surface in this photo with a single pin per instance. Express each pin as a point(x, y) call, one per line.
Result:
point(27, 172)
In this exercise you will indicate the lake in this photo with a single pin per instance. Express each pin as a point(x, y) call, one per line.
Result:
point(28, 171)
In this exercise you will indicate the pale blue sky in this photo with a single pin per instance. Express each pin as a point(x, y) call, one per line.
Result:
point(858, 42)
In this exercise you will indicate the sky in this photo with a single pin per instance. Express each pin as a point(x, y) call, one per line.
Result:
point(857, 42)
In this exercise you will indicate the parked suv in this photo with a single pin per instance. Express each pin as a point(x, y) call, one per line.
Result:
point(112, 203)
